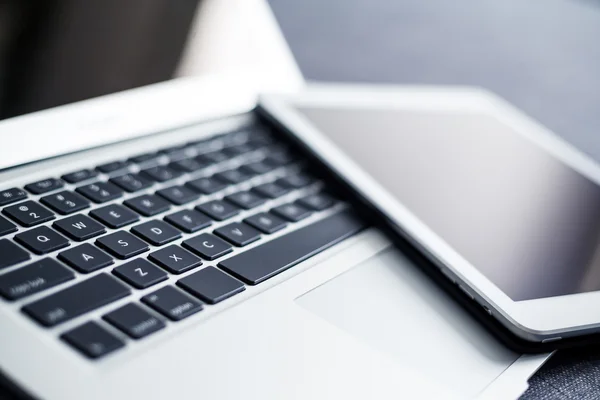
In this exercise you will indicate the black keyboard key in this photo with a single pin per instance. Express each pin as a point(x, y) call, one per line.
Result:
point(111, 167)
point(79, 227)
point(6, 227)
point(259, 142)
point(33, 278)
point(157, 233)
point(262, 135)
point(115, 216)
point(292, 212)
point(233, 138)
point(234, 149)
point(29, 213)
point(238, 233)
point(271, 190)
point(11, 195)
point(172, 303)
point(237, 150)
point(134, 321)
point(175, 259)
point(296, 181)
point(266, 222)
point(140, 273)
point(255, 142)
point(161, 173)
point(44, 186)
point(178, 194)
point(246, 200)
point(189, 221)
point(11, 254)
point(65, 202)
point(189, 164)
point(265, 261)
point(232, 176)
point(218, 209)
point(206, 185)
point(122, 245)
point(317, 202)
point(100, 192)
point(257, 168)
point(214, 157)
point(92, 340)
point(80, 176)
point(148, 205)
point(279, 158)
point(204, 145)
point(76, 300)
point(86, 258)
point(131, 182)
point(144, 158)
point(174, 152)
point(211, 285)
point(42, 240)
point(207, 246)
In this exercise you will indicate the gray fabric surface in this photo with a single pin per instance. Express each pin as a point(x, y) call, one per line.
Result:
point(541, 55)
point(568, 375)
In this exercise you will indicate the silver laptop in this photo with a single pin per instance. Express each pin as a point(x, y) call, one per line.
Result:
point(167, 242)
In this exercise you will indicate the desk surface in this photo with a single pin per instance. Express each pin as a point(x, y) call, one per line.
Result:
point(541, 55)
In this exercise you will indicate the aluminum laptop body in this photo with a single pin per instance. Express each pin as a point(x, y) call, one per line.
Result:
point(357, 320)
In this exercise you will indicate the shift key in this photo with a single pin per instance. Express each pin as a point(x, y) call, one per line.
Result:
point(269, 259)
point(76, 300)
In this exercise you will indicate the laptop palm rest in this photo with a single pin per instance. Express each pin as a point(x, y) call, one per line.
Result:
point(389, 304)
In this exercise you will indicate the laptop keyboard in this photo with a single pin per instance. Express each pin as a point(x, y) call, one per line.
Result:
point(220, 214)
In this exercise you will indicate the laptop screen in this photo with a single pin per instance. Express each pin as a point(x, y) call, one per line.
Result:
point(58, 52)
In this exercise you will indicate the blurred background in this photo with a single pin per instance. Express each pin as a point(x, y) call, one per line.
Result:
point(54, 52)
point(541, 55)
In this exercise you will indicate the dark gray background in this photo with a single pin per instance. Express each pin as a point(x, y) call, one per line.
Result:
point(541, 55)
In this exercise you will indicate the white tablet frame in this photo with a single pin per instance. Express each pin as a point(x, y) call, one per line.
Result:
point(538, 320)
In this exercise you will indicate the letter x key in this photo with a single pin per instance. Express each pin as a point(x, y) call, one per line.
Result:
point(175, 259)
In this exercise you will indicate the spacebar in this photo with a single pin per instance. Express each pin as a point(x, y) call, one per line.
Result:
point(271, 258)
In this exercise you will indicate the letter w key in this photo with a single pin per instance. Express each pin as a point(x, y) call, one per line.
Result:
point(79, 227)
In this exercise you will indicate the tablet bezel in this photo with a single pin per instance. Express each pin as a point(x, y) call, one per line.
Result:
point(539, 320)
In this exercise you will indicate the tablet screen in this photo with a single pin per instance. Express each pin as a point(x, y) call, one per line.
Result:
point(526, 220)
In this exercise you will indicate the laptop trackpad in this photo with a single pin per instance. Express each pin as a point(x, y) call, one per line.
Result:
point(396, 309)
